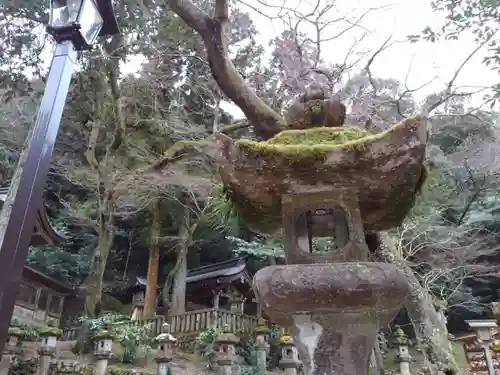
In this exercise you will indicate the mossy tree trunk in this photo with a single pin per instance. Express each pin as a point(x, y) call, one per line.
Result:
point(153, 264)
point(179, 284)
point(104, 80)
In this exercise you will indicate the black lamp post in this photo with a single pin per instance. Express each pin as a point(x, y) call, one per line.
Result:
point(75, 25)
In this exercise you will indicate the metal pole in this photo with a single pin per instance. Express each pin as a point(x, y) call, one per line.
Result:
point(17, 218)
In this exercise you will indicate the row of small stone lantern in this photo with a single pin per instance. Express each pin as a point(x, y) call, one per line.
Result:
point(102, 351)
point(226, 342)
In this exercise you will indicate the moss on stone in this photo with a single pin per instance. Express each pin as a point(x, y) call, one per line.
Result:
point(227, 338)
point(16, 332)
point(261, 329)
point(120, 370)
point(314, 144)
point(49, 331)
point(103, 334)
point(286, 340)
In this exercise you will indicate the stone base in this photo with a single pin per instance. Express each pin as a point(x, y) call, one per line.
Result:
point(331, 344)
point(335, 310)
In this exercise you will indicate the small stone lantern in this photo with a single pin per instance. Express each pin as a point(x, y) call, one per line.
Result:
point(48, 337)
point(226, 342)
point(236, 303)
point(10, 349)
point(166, 343)
point(262, 344)
point(103, 343)
point(13, 337)
point(103, 349)
point(402, 355)
point(290, 361)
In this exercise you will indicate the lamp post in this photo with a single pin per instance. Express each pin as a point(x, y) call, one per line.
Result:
point(75, 25)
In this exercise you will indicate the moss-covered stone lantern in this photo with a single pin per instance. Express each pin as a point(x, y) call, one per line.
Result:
point(14, 335)
point(290, 360)
point(226, 342)
point(402, 354)
point(48, 337)
point(402, 342)
point(324, 180)
point(261, 332)
point(166, 344)
point(103, 343)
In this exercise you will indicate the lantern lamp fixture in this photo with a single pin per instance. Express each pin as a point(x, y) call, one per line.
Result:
point(81, 21)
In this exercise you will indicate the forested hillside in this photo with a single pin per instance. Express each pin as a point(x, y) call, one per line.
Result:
point(133, 183)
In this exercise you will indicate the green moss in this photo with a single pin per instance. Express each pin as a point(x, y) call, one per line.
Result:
point(121, 369)
point(315, 136)
point(49, 331)
point(227, 337)
point(103, 334)
point(261, 329)
point(110, 303)
point(286, 340)
point(191, 357)
point(16, 332)
point(314, 144)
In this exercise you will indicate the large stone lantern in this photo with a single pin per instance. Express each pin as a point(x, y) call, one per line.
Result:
point(336, 183)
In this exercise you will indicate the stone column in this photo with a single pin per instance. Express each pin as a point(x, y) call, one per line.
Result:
point(290, 361)
point(10, 349)
point(102, 351)
point(403, 355)
point(262, 344)
point(165, 351)
point(484, 337)
point(48, 342)
point(226, 350)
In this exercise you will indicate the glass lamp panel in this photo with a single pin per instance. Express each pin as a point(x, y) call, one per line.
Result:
point(90, 21)
point(64, 12)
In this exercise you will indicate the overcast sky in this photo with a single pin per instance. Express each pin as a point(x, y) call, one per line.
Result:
point(424, 61)
point(400, 18)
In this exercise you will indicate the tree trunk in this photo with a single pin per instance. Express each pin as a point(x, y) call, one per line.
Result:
point(153, 264)
point(179, 284)
point(94, 281)
point(430, 330)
